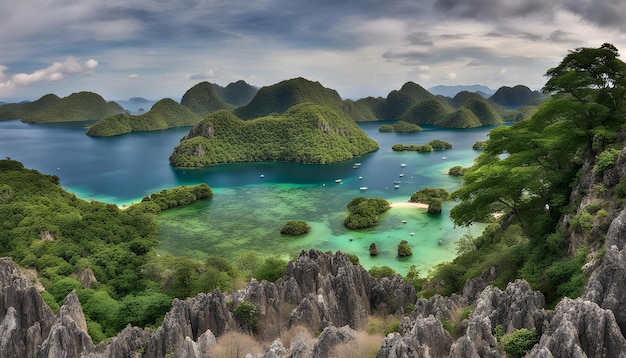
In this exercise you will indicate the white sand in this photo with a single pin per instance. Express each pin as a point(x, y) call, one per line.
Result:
point(408, 204)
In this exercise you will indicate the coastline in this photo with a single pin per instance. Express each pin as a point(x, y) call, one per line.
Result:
point(408, 204)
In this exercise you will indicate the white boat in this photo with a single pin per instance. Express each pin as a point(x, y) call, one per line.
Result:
point(337, 180)
point(401, 175)
point(363, 188)
point(396, 186)
point(360, 177)
point(403, 165)
point(356, 165)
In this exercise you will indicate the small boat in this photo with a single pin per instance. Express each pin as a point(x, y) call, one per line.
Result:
point(440, 242)
point(444, 158)
point(360, 177)
point(396, 186)
point(356, 165)
point(363, 188)
point(412, 234)
point(404, 221)
point(401, 175)
point(337, 180)
point(262, 176)
point(403, 165)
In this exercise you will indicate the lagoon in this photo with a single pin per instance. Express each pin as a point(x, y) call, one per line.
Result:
point(253, 200)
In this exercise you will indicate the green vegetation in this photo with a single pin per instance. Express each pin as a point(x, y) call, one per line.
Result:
point(164, 114)
point(363, 212)
point(433, 145)
point(404, 249)
point(67, 240)
point(479, 145)
point(427, 195)
point(526, 174)
point(50, 108)
point(306, 133)
point(457, 171)
point(517, 343)
point(203, 99)
point(400, 127)
point(246, 314)
point(381, 271)
point(282, 96)
point(295, 227)
point(168, 199)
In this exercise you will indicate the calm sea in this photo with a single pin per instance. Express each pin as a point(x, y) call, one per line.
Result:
point(253, 200)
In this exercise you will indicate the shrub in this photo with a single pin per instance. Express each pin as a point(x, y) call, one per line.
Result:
point(381, 271)
point(605, 160)
point(519, 342)
point(246, 314)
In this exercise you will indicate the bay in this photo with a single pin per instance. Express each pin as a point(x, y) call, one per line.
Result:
point(253, 200)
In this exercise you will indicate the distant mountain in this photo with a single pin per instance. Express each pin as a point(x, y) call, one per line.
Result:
point(50, 108)
point(203, 99)
point(515, 97)
point(165, 114)
point(281, 96)
point(304, 133)
point(138, 100)
point(237, 93)
point(451, 91)
point(472, 111)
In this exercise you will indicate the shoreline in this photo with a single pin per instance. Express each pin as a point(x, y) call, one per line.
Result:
point(408, 204)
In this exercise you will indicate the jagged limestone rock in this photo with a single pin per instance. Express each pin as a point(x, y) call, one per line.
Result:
point(581, 328)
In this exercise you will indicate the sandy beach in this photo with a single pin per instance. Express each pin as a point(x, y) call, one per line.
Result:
point(408, 204)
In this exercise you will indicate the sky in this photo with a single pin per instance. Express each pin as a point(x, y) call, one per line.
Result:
point(161, 48)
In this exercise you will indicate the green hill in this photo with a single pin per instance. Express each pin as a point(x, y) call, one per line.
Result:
point(370, 105)
point(427, 112)
point(22, 109)
point(50, 108)
point(278, 98)
point(398, 102)
point(203, 99)
point(306, 133)
point(237, 93)
point(483, 111)
point(515, 97)
point(461, 118)
point(164, 114)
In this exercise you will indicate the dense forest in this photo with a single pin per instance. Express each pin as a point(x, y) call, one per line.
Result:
point(306, 133)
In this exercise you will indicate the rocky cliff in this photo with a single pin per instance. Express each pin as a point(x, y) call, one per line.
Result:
point(330, 295)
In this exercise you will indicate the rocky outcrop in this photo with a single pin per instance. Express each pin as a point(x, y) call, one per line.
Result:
point(324, 291)
point(581, 328)
point(26, 318)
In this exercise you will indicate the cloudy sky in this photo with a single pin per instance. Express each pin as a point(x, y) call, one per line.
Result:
point(161, 48)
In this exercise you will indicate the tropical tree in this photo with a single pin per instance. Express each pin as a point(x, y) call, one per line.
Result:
point(525, 169)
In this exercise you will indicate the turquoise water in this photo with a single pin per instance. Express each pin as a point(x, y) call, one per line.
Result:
point(253, 200)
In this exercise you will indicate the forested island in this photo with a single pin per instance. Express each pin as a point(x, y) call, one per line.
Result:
point(50, 108)
point(306, 133)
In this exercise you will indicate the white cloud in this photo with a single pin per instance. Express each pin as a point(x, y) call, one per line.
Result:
point(200, 75)
point(133, 76)
point(451, 76)
point(54, 72)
